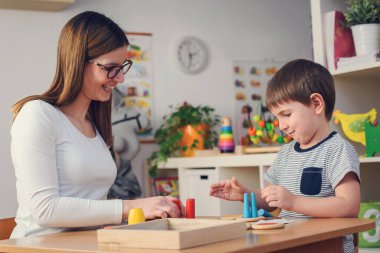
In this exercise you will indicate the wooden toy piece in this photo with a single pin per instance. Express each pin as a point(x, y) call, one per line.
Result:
point(178, 204)
point(190, 208)
point(264, 128)
point(264, 213)
point(353, 124)
point(253, 206)
point(238, 217)
point(267, 226)
point(251, 219)
point(135, 216)
point(230, 217)
point(372, 135)
point(246, 208)
point(226, 138)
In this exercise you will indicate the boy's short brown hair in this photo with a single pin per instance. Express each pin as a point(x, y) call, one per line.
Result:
point(297, 80)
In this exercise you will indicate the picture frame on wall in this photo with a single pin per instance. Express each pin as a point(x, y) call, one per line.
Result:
point(135, 96)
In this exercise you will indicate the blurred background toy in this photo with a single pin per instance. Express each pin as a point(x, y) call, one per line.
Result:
point(372, 134)
point(263, 127)
point(226, 139)
point(353, 125)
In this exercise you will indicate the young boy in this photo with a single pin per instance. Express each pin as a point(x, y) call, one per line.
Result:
point(317, 174)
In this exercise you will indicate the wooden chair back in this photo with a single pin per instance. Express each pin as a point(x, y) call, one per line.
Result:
point(6, 227)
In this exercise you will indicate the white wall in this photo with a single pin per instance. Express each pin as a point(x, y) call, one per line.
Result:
point(232, 29)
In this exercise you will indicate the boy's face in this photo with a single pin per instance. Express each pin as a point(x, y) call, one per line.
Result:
point(299, 121)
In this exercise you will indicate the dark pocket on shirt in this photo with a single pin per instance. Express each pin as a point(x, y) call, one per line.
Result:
point(311, 181)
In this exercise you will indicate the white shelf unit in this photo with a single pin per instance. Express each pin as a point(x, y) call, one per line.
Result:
point(357, 91)
point(371, 69)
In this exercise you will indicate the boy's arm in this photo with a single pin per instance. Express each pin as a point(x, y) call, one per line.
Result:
point(232, 189)
point(346, 202)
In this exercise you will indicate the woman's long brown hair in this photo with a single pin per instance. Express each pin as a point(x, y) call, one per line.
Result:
point(86, 36)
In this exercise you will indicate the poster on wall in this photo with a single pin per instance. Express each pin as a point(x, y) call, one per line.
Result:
point(254, 125)
point(135, 95)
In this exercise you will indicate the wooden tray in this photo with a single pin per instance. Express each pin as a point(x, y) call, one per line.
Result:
point(171, 233)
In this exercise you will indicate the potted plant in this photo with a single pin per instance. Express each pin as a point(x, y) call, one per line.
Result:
point(184, 129)
point(363, 16)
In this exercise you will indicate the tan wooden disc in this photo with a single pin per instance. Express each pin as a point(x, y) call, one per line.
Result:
point(267, 225)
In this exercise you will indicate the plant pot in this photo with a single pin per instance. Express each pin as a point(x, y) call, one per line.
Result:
point(190, 134)
point(366, 38)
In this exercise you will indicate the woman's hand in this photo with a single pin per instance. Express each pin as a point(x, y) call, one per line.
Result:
point(278, 196)
point(154, 207)
point(230, 189)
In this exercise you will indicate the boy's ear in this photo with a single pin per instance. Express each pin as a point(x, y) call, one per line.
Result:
point(317, 102)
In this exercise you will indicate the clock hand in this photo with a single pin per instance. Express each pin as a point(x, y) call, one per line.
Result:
point(190, 58)
point(195, 52)
point(191, 54)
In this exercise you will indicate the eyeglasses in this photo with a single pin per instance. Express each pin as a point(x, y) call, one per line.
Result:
point(112, 71)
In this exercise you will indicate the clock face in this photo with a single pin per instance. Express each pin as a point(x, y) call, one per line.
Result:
point(192, 55)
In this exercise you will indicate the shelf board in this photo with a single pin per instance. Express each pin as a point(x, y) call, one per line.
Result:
point(221, 160)
point(231, 160)
point(375, 159)
point(36, 5)
point(369, 250)
point(371, 70)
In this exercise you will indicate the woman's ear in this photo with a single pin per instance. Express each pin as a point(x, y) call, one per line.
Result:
point(318, 103)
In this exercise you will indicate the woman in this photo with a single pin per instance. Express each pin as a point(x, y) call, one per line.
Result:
point(61, 139)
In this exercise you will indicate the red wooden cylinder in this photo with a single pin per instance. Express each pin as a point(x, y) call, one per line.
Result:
point(190, 208)
point(178, 203)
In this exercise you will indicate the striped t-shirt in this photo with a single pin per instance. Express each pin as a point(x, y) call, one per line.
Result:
point(314, 172)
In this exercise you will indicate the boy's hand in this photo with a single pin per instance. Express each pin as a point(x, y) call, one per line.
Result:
point(278, 196)
point(230, 189)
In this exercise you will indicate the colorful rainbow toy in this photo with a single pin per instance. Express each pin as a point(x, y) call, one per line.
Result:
point(226, 138)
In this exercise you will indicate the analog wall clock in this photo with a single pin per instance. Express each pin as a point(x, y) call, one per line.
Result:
point(192, 55)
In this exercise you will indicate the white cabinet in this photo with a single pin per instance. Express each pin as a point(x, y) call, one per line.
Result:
point(196, 174)
point(199, 181)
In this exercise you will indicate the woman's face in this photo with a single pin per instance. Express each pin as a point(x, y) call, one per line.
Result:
point(96, 85)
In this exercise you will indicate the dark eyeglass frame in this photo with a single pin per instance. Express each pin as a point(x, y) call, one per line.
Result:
point(128, 64)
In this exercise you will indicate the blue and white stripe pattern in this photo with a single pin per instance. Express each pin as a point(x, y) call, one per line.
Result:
point(314, 172)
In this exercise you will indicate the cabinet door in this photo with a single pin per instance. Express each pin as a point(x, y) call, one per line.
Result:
point(199, 181)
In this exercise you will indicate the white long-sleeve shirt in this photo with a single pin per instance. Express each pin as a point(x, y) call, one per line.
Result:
point(62, 176)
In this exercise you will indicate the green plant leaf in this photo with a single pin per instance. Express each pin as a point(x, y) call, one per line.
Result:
point(169, 134)
point(362, 12)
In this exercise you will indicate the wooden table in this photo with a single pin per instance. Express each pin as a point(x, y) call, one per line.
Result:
point(302, 235)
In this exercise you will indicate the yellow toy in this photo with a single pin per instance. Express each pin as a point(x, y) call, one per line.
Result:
point(353, 124)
